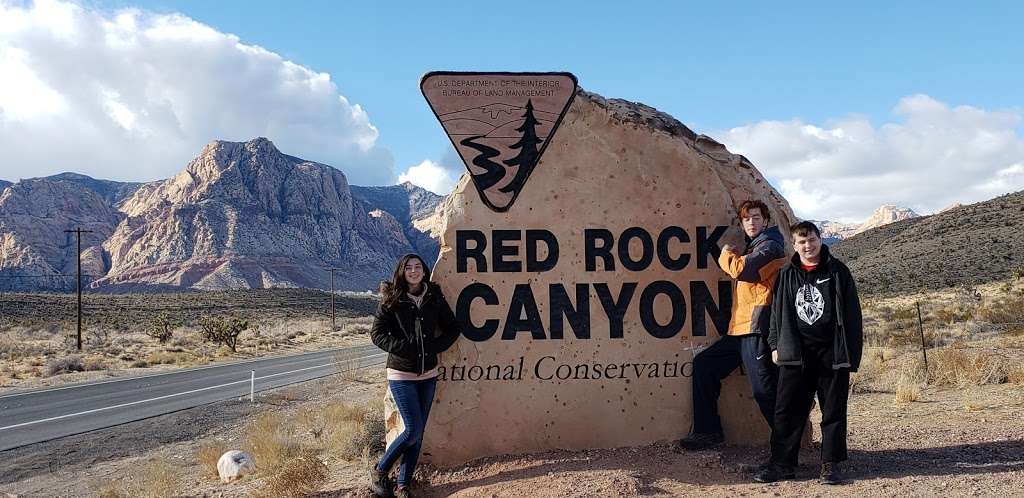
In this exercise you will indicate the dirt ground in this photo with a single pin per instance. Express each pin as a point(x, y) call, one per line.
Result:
point(954, 442)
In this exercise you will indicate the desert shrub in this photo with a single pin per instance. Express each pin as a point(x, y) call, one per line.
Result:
point(157, 480)
point(953, 314)
point(98, 336)
point(71, 363)
point(354, 431)
point(297, 477)
point(168, 358)
point(348, 365)
point(270, 440)
point(1008, 310)
point(313, 421)
point(109, 489)
point(208, 454)
point(162, 327)
point(94, 364)
point(955, 366)
point(356, 328)
point(220, 330)
point(908, 387)
point(139, 364)
point(1016, 376)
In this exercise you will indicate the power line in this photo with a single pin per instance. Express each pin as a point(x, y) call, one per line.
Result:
point(78, 281)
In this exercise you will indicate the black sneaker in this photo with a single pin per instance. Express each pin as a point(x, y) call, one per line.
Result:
point(753, 467)
point(697, 441)
point(830, 474)
point(403, 492)
point(774, 472)
point(380, 484)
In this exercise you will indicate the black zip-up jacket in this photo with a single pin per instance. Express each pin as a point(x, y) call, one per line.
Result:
point(784, 333)
point(414, 336)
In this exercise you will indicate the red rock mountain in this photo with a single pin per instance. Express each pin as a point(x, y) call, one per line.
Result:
point(240, 215)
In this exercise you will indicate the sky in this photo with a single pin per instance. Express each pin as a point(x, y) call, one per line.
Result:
point(842, 107)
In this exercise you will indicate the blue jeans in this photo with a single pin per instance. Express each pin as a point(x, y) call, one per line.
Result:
point(413, 398)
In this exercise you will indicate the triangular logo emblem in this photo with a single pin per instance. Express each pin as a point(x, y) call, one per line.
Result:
point(500, 123)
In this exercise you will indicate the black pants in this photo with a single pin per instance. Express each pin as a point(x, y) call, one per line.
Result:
point(716, 363)
point(797, 387)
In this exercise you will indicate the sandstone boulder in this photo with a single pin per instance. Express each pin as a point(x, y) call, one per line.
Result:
point(587, 299)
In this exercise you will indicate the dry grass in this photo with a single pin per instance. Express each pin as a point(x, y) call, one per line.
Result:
point(349, 368)
point(313, 421)
point(208, 454)
point(908, 387)
point(158, 480)
point(170, 358)
point(1016, 376)
point(271, 440)
point(300, 476)
point(109, 489)
point(961, 367)
point(354, 431)
point(1007, 310)
point(154, 479)
point(67, 364)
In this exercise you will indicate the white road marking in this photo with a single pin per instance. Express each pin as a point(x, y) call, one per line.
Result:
point(193, 369)
point(23, 424)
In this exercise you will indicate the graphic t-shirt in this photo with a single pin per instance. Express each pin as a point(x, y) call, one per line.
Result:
point(814, 309)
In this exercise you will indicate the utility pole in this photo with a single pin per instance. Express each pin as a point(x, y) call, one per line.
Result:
point(78, 280)
point(333, 326)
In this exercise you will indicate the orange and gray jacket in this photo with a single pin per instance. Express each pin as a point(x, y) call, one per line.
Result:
point(755, 273)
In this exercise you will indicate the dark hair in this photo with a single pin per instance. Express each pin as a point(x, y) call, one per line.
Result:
point(754, 204)
point(392, 290)
point(804, 229)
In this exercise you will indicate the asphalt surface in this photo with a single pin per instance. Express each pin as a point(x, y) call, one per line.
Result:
point(41, 415)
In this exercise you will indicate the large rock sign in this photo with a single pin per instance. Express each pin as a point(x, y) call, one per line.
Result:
point(585, 299)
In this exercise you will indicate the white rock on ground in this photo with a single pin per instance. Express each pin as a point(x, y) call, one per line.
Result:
point(234, 464)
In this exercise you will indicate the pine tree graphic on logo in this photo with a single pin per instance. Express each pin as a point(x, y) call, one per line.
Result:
point(500, 124)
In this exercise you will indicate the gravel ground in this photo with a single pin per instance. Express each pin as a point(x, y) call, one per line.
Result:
point(953, 442)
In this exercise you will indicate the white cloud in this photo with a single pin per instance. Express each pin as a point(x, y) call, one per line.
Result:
point(929, 157)
point(431, 176)
point(133, 95)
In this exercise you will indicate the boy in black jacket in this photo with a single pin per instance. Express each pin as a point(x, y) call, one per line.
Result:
point(816, 337)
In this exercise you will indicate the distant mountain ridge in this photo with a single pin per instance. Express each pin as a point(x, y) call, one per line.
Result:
point(969, 244)
point(835, 231)
point(412, 206)
point(240, 215)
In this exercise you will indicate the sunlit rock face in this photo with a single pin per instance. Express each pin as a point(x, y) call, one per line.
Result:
point(585, 301)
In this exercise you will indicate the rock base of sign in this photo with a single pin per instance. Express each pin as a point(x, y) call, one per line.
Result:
point(586, 300)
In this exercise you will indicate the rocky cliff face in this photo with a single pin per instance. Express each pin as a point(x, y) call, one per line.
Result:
point(33, 216)
point(835, 231)
point(239, 215)
point(886, 214)
point(111, 192)
point(246, 215)
point(415, 208)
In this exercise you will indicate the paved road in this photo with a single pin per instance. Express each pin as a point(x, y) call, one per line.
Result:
point(41, 415)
